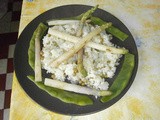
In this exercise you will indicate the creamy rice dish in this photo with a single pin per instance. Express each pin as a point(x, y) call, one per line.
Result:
point(98, 64)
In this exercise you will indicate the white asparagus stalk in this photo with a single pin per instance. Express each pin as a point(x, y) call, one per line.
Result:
point(97, 46)
point(79, 45)
point(62, 22)
point(38, 72)
point(64, 35)
point(75, 88)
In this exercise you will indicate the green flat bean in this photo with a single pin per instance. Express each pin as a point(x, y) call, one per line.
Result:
point(65, 96)
point(122, 79)
point(31, 51)
point(113, 30)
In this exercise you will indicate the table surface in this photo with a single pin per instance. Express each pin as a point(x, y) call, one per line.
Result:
point(142, 101)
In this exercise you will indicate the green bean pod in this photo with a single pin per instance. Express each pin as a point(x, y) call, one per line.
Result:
point(65, 96)
point(122, 79)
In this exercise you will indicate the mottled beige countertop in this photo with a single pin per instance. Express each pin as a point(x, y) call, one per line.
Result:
point(142, 101)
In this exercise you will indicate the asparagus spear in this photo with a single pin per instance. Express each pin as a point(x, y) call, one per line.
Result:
point(79, 45)
point(38, 72)
point(61, 22)
point(65, 96)
point(31, 49)
point(86, 15)
point(75, 88)
point(80, 66)
point(97, 46)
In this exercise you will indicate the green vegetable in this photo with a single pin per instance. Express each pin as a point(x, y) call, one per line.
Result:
point(113, 30)
point(31, 51)
point(85, 16)
point(88, 14)
point(122, 79)
point(65, 96)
